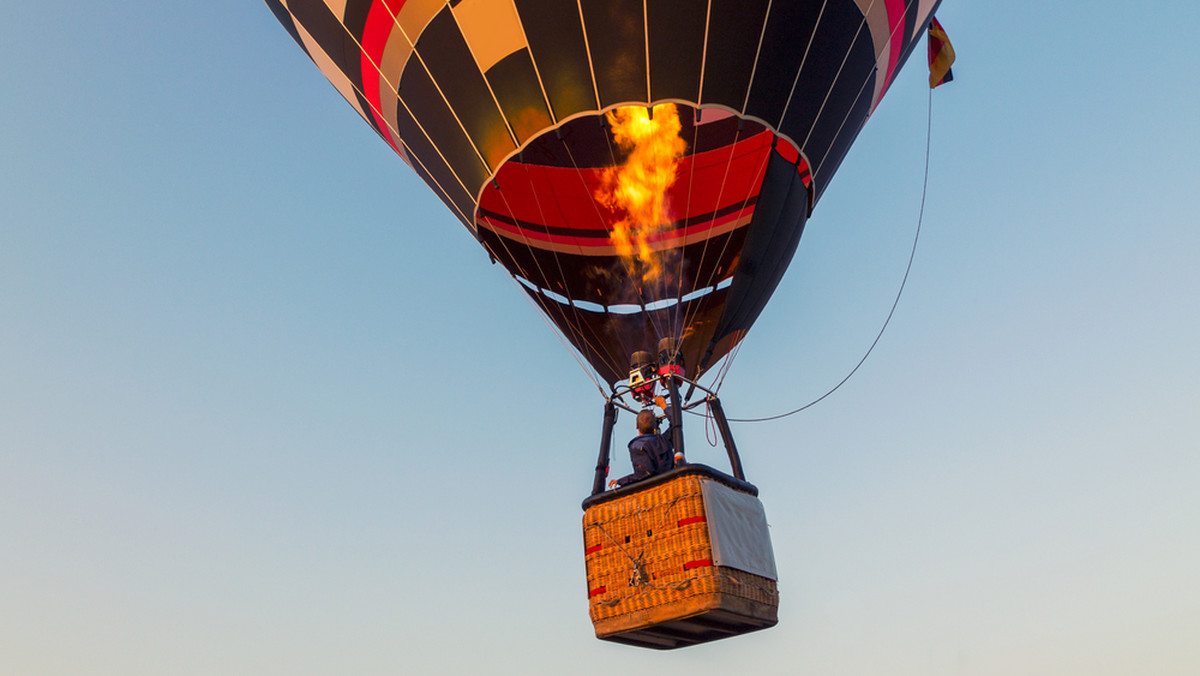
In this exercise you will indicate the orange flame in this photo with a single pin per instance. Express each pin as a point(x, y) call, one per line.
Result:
point(639, 186)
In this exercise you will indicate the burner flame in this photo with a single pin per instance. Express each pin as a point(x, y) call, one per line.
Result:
point(638, 188)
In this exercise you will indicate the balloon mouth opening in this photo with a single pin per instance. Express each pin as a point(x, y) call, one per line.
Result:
point(627, 195)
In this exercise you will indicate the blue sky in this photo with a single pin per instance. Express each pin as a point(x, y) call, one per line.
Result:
point(266, 408)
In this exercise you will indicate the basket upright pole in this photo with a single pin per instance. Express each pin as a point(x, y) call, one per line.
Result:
point(610, 421)
point(735, 461)
point(676, 416)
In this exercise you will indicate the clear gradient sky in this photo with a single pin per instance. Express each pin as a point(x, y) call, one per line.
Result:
point(265, 408)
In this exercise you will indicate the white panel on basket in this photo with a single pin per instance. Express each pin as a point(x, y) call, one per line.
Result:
point(737, 525)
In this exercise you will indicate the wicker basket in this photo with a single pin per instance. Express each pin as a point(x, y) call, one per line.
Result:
point(651, 576)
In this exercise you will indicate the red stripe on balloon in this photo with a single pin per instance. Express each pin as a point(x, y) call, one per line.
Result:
point(895, 10)
point(380, 23)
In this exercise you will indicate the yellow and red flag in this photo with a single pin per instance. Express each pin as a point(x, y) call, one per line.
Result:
point(941, 55)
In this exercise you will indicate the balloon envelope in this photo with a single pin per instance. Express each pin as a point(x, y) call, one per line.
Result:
point(499, 106)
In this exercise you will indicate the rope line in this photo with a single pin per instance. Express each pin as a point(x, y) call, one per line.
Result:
point(911, 256)
point(815, 171)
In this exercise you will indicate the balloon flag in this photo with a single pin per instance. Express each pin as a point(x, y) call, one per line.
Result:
point(941, 55)
point(644, 169)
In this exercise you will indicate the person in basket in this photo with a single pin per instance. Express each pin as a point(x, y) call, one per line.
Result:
point(650, 452)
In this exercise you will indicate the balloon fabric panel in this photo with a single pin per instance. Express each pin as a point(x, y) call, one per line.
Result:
point(616, 41)
point(501, 109)
point(733, 33)
point(556, 41)
point(429, 117)
point(516, 85)
point(774, 77)
point(675, 37)
point(444, 52)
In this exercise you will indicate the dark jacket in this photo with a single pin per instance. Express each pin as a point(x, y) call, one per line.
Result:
point(650, 454)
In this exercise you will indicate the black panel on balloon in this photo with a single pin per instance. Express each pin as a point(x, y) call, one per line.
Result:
point(556, 42)
point(789, 30)
point(458, 202)
point(355, 17)
point(771, 241)
point(431, 167)
point(450, 62)
point(606, 341)
point(516, 86)
point(734, 27)
point(617, 42)
point(675, 29)
point(582, 142)
point(911, 11)
point(846, 108)
point(417, 90)
point(827, 160)
point(285, 18)
point(331, 35)
point(834, 38)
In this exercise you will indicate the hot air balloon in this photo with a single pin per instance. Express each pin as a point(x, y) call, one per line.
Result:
point(644, 170)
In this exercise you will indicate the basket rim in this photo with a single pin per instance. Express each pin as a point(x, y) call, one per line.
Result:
point(657, 480)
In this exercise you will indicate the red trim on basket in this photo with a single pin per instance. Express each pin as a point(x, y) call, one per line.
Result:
point(691, 520)
point(593, 549)
point(597, 591)
point(698, 563)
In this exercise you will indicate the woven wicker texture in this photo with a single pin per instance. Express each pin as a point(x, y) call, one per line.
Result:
point(652, 548)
